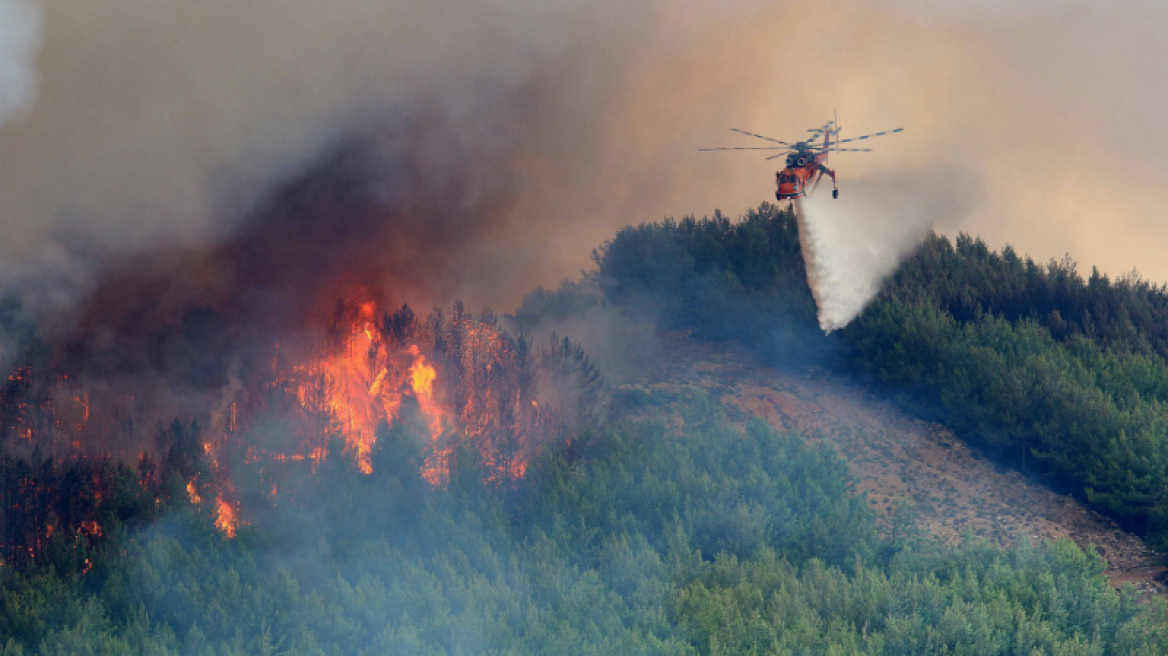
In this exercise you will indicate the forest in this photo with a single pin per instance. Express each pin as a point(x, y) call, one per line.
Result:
point(1060, 376)
point(670, 530)
point(664, 527)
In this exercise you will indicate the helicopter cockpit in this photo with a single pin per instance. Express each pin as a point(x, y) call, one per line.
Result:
point(789, 185)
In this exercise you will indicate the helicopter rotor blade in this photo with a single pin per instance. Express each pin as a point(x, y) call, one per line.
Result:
point(759, 136)
point(745, 148)
point(869, 136)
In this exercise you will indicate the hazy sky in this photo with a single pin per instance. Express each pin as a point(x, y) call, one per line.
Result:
point(1050, 120)
point(159, 123)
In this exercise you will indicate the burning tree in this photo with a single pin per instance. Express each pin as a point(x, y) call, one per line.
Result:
point(287, 406)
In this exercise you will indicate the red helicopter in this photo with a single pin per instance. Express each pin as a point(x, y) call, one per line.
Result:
point(805, 159)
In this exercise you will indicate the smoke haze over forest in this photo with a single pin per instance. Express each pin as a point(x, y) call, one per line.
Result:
point(163, 125)
point(255, 397)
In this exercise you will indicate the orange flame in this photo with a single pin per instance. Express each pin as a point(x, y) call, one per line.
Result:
point(422, 376)
point(225, 518)
point(361, 383)
point(465, 375)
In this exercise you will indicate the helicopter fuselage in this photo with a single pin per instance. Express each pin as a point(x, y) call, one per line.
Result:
point(804, 166)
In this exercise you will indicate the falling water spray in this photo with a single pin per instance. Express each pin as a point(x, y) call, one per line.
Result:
point(815, 275)
point(852, 244)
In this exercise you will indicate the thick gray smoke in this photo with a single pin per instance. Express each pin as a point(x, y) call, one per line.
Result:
point(20, 39)
point(851, 244)
point(161, 124)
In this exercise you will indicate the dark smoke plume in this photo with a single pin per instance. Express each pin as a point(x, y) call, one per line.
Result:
point(373, 220)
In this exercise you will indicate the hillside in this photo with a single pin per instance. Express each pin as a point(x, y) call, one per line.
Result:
point(740, 484)
point(895, 458)
point(1062, 377)
point(681, 527)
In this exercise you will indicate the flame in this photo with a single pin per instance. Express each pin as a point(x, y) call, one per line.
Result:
point(357, 395)
point(471, 385)
point(363, 381)
point(437, 466)
point(226, 510)
point(225, 517)
point(422, 375)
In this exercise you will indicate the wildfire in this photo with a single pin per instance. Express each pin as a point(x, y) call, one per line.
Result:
point(464, 377)
point(452, 381)
point(360, 383)
point(225, 519)
point(91, 528)
point(422, 377)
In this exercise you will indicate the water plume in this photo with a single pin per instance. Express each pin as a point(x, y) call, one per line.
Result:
point(851, 244)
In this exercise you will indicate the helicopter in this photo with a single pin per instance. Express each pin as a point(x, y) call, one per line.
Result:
point(805, 159)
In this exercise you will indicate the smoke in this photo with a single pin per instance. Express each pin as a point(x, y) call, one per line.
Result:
point(851, 244)
point(164, 124)
point(20, 39)
point(371, 222)
point(513, 136)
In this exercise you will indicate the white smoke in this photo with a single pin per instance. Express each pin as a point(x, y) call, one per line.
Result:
point(20, 40)
point(851, 244)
